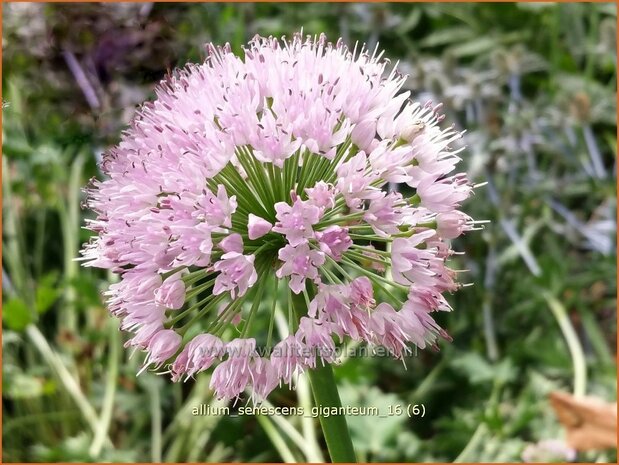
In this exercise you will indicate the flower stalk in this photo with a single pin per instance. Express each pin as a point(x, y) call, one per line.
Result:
point(324, 389)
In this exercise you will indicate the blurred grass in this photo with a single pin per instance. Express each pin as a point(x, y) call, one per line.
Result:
point(534, 85)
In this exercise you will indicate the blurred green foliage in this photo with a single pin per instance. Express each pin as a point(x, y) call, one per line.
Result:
point(534, 84)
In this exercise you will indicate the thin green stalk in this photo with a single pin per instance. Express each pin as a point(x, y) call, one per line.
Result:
point(273, 307)
point(178, 433)
point(39, 242)
point(254, 307)
point(66, 378)
point(373, 276)
point(324, 388)
point(186, 313)
point(360, 256)
point(596, 337)
point(247, 198)
point(573, 344)
point(339, 157)
point(194, 276)
point(275, 183)
point(194, 291)
point(370, 238)
point(337, 210)
point(370, 250)
point(313, 452)
point(307, 179)
point(70, 221)
point(303, 171)
point(155, 412)
point(270, 183)
point(478, 435)
point(336, 265)
point(425, 386)
point(291, 326)
point(219, 325)
point(320, 167)
point(482, 428)
point(315, 166)
point(110, 390)
point(293, 434)
point(279, 443)
point(216, 301)
point(250, 199)
point(257, 177)
point(340, 219)
point(330, 276)
point(12, 239)
point(207, 304)
point(291, 170)
point(167, 274)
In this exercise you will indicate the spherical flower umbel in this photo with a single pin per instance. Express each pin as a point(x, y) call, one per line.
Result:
point(252, 184)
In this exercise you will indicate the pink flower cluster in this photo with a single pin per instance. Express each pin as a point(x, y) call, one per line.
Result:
point(246, 173)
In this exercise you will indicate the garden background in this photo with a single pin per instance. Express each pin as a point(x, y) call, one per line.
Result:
point(535, 87)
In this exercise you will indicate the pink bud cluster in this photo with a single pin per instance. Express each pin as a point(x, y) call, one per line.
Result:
point(246, 173)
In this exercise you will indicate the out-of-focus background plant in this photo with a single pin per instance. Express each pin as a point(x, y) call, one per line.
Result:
point(535, 87)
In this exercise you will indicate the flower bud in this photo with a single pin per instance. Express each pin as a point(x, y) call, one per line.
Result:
point(163, 345)
point(171, 294)
point(257, 227)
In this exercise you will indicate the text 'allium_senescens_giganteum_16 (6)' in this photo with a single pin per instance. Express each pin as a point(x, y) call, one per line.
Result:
point(251, 182)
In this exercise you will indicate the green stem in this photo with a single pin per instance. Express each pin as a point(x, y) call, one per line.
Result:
point(334, 428)
point(69, 382)
point(324, 388)
point(276, 439)
point(156, 432)
point(573, 343)
point(273, 306)
point(105, 419)
point(340, 219)
point(482, 428)
point(313, 452)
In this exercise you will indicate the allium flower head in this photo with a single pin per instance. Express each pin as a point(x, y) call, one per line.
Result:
point(249, 176)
